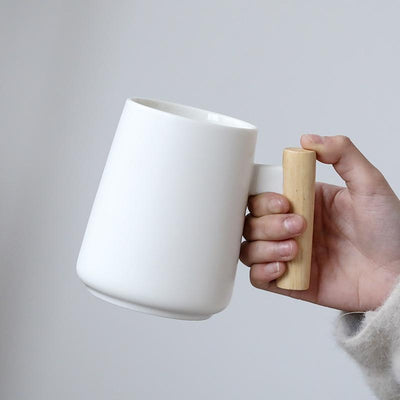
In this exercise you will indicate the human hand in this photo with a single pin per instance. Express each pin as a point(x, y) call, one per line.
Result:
point(356, 240)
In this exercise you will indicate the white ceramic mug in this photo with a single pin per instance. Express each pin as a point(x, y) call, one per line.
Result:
point(165, 229)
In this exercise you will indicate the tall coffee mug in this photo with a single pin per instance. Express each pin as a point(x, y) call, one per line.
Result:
point(165, 228)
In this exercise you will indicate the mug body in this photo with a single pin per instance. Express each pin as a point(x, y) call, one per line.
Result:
point(165, 228)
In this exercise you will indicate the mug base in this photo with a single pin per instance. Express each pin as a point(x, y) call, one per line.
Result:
point(146, 309)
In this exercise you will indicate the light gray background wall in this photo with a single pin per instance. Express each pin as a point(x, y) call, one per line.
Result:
point(66, 68)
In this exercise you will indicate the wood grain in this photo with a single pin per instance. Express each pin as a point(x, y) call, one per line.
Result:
point(299, 188)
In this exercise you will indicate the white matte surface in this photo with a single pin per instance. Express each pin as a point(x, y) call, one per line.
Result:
point(167, 160)
point(165, 229)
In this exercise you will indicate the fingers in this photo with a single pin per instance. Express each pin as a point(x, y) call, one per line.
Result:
point(273, 227)
point(268, 203)
point(261, 251)
point(261, 275)
point(360, 175)
point(269, 230)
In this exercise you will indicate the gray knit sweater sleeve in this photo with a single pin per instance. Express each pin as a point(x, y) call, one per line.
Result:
point(373, 340)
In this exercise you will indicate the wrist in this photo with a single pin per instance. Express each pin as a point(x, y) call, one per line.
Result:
point(388, 279)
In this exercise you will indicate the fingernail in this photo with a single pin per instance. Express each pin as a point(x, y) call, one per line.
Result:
point(272, 268)
point(275, 205)
point(285, 248)
point(314, 138)
point(293, 224)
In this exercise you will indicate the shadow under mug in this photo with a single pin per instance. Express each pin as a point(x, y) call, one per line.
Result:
point(164, 232)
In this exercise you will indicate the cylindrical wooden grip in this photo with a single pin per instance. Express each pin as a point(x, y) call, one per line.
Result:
point(299, 188)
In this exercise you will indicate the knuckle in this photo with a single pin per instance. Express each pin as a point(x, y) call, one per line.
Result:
point(344, 141)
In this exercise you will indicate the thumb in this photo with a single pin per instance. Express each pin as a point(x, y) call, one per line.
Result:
point(360, 175)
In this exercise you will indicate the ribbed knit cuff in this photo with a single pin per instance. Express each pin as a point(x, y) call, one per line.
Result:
point(373, 340)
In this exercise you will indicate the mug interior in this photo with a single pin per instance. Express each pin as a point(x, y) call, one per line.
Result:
point(194, 113)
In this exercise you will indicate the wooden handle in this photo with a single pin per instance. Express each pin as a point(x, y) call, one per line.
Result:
point(299, 188)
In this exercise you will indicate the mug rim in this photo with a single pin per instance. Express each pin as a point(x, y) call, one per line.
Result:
point(195, 114)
